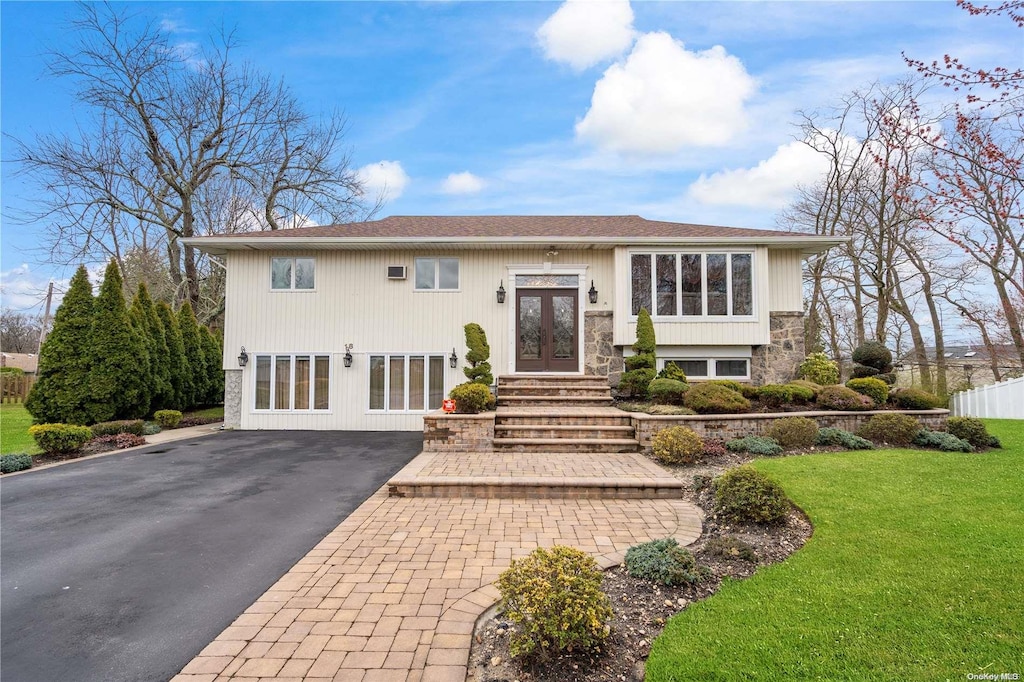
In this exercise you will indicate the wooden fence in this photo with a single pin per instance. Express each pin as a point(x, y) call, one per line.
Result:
point(1004, 400)
point(15, 388)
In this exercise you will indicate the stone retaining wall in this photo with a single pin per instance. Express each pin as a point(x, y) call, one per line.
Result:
point(458, 432)
point(729, 426)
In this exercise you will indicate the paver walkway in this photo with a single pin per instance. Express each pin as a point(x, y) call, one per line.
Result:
point(393, 593)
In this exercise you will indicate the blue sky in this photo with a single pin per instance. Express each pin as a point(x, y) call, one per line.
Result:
point(678, 111)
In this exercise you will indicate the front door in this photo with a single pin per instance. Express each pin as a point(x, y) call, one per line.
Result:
point(547, 330)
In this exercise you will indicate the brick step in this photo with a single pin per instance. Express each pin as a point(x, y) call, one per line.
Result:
point(540, 420)
point(566, 444)
point(604, 488)
point(553, 400)
point(561, 431)
point(534, 379)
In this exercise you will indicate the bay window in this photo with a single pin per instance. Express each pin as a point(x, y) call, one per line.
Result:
point(692, 284)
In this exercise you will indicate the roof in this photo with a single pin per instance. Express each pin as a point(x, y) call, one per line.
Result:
point(1004, 353)
point(499, 231)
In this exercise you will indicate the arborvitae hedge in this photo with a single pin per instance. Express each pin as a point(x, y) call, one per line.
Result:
point(197, 383)
point(212, 351)
point(61, 391)
point(177, 362)
point(161, 390)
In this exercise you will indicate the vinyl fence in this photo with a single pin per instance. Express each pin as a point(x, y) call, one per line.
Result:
point(15, 388)
point(1004, 400)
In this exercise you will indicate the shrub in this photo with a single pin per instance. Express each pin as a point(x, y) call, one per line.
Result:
point(677, 445)
point(713, 447)
point(874, 388)
point(710, 398)
point(667, 391)
point(843, 398)
point(794, 432)
point(635, 383)
point(662, 561)
point(671, 371)
point(168, 419)
point(746, 494)
point(728, 383)
point(641, 361)
point(940, 440)
point(873, 354)
point(479, 370)
point(472, 398)
point(820, 369)
point(749, 392)
point(755, 445)
point(728, 546)
point(891, 428)
point(12, 371)
point(863, 372)
point(809, 385)
point(668, 409)
point(969, 429)
point(554, 599)
point(801, 393)
point(832, 436)
point(134, 426)
point(914, 399)
point(60, 438)
point(775, 394)
point(15, 462)
point(640, 367)
point(151, 429)
point(645, 341)
point(120, 440)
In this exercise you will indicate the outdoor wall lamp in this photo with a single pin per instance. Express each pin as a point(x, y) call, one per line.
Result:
point(453, 360)
point(348, 355)
point(501, 292)
point(243, 358)
point(592, 292)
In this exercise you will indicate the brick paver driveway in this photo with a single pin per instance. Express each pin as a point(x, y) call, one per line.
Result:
point(125, 567)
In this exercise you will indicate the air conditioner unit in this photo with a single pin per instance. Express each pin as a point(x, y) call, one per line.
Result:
point(396, 272)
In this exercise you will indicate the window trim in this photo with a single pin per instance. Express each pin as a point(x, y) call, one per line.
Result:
point(437, 274)
point(704, 316)
point(292, 288)
point(387, 380)
point(712, 366)
point(291, 384)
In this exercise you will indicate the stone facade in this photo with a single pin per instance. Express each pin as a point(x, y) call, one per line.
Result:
point(233, 399)
point(458, 432)
point(600, 356)
point(777, 362)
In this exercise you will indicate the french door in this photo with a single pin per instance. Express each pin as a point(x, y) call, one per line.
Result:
point(547, 330)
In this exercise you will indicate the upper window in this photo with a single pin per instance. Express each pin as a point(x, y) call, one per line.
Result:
point(692, 284)
point(437, 274)
point(292, 273)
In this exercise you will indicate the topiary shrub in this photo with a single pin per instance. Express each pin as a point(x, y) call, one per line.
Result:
point(801, 394)
point(843, 398)
point(479, 370)
point(167, 419)
point(641, 365)
point(554, 599)
point(730, 547)
point(914, 399)
point(873, 359)
point(833, 436)
point(713, 447)
point(872, 387)
point(755, 445)
point(746, 494)
point(969, 429)
point(662, 561)
point(472, 398)
point(677, 445)
point(667, 391)
point(15, 462)
point(134, 426)
point(794, 432)
point(671, 371)
point(60, 438)
point(775, 395)
point(635, 384)
point(728, 383)
point(641, 361)
point(820, 369)
point(120, 440)
point(940, 440)
point(891, 428)
point(710, 398)
point(809, 385)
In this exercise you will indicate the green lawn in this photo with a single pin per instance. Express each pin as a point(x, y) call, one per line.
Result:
point(915, 572)
point(215, 411)
point(14, 423)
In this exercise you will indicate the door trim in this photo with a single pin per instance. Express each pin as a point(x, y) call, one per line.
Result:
point(581, 299)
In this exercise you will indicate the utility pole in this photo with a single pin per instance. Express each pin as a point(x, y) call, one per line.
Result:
point(46, 317)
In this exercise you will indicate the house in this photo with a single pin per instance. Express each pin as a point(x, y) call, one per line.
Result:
point(26, 362)
point(967, 365)
point(360, 326)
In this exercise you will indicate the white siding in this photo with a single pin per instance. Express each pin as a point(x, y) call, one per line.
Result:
point(785, 280)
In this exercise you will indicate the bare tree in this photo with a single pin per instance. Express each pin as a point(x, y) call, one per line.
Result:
point(19, 333)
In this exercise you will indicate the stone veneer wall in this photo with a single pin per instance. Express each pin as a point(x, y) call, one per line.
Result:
point(777, 362)
point(458, 432)
point(233, 399)
point(600, 356)
point(729, 426)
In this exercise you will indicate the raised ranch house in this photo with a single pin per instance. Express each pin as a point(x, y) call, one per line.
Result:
point(360, 326)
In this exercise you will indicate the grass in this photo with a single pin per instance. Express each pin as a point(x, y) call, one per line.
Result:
point(914, 572)
point(215, 411)
point(14, 423)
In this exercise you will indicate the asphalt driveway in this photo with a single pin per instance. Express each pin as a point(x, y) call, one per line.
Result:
point(125, 567)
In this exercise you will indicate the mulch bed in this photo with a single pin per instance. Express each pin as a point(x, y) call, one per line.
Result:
point(642, 607)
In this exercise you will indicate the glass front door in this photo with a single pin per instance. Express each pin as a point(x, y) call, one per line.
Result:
point(547, 330)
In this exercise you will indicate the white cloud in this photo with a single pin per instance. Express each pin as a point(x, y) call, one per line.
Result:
point(23, 290)
point(664, 98)
point(462, 183)
point(385, 179)
point(583, 33)
point(768, 185)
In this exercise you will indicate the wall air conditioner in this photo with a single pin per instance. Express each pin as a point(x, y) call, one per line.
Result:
point(396, 272)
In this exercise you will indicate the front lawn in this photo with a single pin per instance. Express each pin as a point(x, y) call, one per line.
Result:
point(14, 423)
point(914, 572)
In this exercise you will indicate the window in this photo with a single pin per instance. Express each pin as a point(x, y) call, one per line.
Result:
point(711, 368)
point(692, 284)
point(437, 274)
point(292, 383)
point(406, 383)
point(292, 273)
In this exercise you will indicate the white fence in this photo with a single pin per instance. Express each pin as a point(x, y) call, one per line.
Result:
point(1004, 400)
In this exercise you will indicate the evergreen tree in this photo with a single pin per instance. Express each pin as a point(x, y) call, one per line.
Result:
point(138, 322)
point(117, 376)
point(196, 382)
point(61, 391)
point(161, 390)
point(640, 366)
point(212, 351)
point(177, 363)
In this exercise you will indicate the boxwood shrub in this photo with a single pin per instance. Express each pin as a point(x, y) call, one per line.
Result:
point(15, 462)
point(677, 445)
point(60, 438)
point(167, 419)
point(713, 398)
point(472, 398)
point(746, 494)
point(793, 432)
point(662, 561)
point(914, 399)
point(134, 426)
point(892, 428)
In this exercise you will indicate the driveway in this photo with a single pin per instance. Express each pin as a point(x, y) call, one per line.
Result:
point(124, 567)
